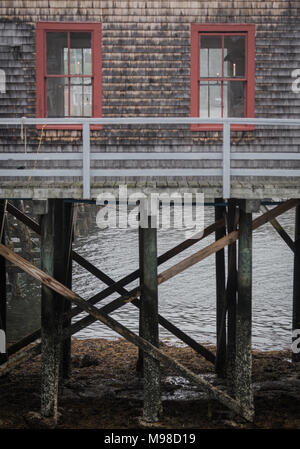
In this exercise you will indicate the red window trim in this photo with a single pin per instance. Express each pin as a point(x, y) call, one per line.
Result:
point(249, 30)
point(95, 29)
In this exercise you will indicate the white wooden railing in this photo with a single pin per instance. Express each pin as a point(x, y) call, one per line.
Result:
point(86, 172)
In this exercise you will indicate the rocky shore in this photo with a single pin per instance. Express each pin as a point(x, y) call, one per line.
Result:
point(104, 392)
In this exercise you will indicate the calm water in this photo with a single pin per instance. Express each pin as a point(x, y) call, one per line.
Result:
point(188, 300)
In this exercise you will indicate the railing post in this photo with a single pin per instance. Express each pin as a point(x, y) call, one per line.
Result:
point(226, 160)
point(86, 161)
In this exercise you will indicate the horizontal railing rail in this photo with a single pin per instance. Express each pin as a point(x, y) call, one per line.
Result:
point(86, 156)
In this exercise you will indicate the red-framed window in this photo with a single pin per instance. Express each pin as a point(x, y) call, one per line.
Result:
point(222, 73)
point(68, 71)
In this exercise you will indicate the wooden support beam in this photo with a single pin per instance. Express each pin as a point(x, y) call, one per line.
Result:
point(27, 340)
point(40, 207)
point(243, 361)
point(296, 282)
point(88, 320)
point(68, 225)
point(3, 209)
point(220, 244)
point(3, 292)
point(149, 320)
point(25, 354)
point(15, 360)
point(279, 229)
point(32, 224)
point(116, 286)
point(220, 367)
point(275, 212)
point(68, 233)
point(61, 290)
point(53, 263)
point(231, 291)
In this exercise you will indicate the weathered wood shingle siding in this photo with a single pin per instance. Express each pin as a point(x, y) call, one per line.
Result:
point(146, 72)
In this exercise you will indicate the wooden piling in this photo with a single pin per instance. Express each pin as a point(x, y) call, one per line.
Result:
point(243, 361)
point(52, 305)
point(231, 292)
point(220, 367)
point(68, 232)
point(296, 286)
point(149, 320)
point(3, 298)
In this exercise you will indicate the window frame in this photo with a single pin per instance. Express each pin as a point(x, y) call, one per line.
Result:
point(230, 29)
point(96, 45)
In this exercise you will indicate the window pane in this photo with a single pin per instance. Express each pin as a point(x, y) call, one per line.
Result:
point(80, 54)
point(234, 56)
point(57, 97)
point(210, 56)
point(81, 97)
point(210, 99)
point(234, 98)
point(57, 53)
